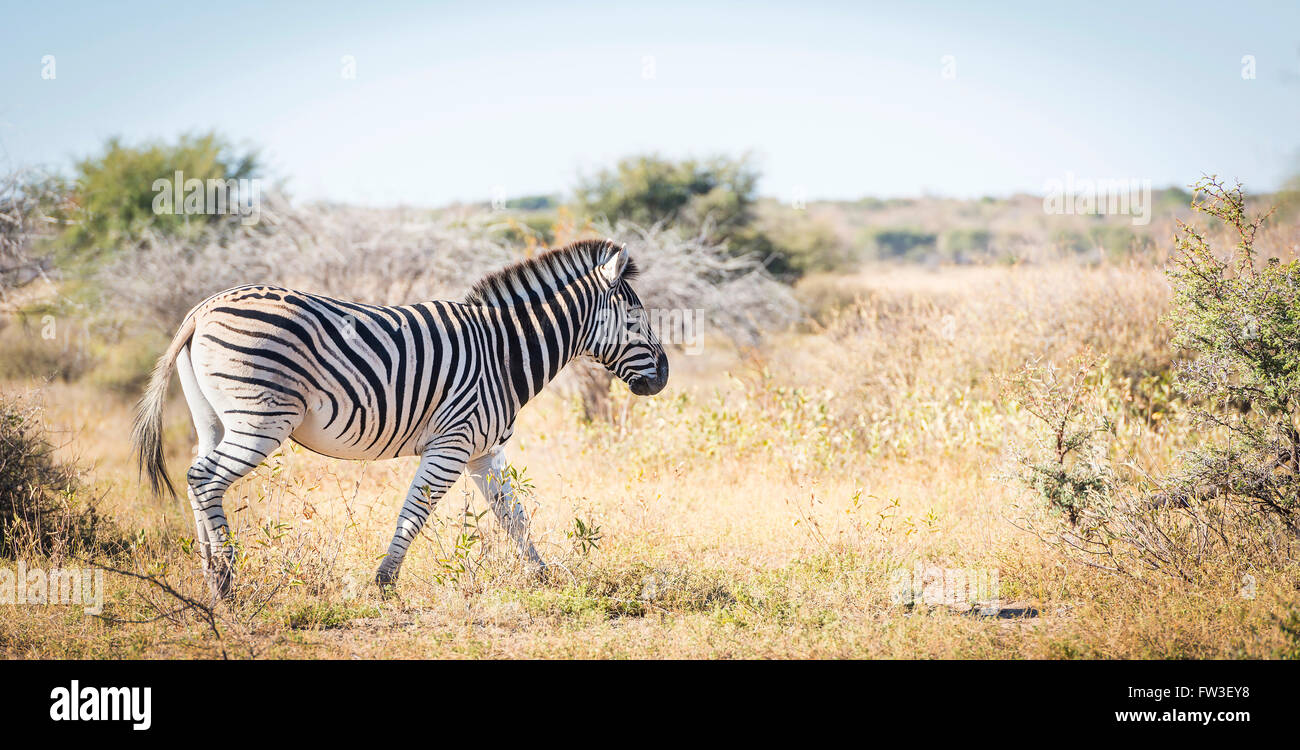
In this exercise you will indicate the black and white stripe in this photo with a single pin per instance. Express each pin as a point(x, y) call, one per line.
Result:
point(442, 380)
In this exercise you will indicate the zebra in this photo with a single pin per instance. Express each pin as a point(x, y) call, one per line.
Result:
point(441, 380)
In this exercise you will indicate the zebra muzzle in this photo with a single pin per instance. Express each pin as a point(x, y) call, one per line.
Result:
point(642, 385)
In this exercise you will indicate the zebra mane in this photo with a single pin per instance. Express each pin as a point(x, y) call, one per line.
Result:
point(552, 268)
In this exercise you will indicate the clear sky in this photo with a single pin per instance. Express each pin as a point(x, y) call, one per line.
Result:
point(842, 100)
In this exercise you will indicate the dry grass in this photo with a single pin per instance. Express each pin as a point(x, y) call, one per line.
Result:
point(760, 507)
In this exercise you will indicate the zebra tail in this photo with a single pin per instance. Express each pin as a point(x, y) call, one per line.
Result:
point(146, 433)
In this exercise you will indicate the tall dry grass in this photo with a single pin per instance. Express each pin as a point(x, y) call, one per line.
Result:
point(764, 505)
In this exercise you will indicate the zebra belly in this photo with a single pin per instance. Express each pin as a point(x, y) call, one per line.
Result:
point(317, 434)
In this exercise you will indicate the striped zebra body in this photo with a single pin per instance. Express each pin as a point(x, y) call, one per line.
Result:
point(354, 381)
point(441, 380)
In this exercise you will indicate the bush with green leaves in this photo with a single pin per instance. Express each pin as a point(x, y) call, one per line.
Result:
point(714, 198)
point(650, 189)
point(1234, 497)
point(1066, 465)
point(893, 243)
point(801, 243)
point(1240, 317)
point(115, 190)
point(963, 244)
point(533, 203)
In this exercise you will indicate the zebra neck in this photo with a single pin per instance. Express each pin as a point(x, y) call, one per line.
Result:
point(537, 341)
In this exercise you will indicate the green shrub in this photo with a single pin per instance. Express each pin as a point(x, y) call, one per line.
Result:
point(537, 226)
point(803, 244)
point(1070, 241)
point(1066, 466)
point(533, 203)
point(326, 616)
point(958, 243)
point(900, 243)
point(115, 190)
point(1117, 240)
point(1241, 318)
point(714, 197)
point(649, 189)
point(1234, 499)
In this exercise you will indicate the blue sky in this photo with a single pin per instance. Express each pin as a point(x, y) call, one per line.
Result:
point(454, 102)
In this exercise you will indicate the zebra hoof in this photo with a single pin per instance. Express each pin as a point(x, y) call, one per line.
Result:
point(221, 584)
point(544, 573)
point(387, 583)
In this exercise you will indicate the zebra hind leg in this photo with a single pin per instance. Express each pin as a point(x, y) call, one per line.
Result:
point(240, 451)
point(208, 428)
point(489, 473)
point(440, 465)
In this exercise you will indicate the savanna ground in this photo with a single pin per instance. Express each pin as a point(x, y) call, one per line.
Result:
point(763, 505)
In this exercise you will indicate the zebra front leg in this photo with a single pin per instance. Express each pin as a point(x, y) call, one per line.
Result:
point(489, 472)
point(439, 467)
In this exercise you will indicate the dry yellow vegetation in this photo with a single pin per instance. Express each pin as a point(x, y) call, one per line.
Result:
point(764, 505)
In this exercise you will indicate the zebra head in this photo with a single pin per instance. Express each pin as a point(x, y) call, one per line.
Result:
point(622, 339)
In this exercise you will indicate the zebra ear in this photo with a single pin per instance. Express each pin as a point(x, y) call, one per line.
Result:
point(613, 268)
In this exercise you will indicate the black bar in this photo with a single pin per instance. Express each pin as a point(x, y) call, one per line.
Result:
point(982, 701)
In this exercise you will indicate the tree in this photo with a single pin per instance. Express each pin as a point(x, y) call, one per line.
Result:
point(715, 199)
point(115, 190)
point(716, 194)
